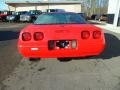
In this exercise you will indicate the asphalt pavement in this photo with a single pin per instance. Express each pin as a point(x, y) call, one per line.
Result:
point(9, 56)
point(92, 73)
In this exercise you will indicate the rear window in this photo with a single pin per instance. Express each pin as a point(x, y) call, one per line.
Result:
point(60, 18)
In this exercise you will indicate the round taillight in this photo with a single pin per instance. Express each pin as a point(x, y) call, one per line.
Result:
point(26, 36)
point(85, 34)
point(38, 36)
point(96, 34)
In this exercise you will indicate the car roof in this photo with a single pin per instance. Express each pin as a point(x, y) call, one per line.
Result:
point(60, 13)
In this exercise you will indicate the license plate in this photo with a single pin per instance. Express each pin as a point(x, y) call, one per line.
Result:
point(61, 44)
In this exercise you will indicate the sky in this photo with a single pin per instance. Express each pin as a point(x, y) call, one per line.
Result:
point(3, 6)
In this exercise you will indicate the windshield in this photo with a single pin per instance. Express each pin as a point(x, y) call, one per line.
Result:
point(60, 18)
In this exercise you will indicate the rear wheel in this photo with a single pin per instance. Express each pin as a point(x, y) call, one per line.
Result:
point(64, 59)
point(34, 59)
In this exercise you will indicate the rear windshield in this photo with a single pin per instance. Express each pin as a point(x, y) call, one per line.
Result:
point(60, 18)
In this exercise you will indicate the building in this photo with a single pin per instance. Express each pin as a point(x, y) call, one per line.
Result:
point(114, 12)
point(72, 6)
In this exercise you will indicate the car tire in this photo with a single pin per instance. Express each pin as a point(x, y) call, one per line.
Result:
point(34, 59)
point(64, 59)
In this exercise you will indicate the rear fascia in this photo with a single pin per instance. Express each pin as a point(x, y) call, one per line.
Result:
point(86, 47)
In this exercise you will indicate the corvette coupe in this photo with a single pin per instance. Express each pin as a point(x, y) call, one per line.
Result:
point(60, 35)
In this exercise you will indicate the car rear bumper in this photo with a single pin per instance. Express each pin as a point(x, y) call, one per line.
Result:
point(44, 52)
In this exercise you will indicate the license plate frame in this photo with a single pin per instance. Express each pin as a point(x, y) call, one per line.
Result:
point(52, 44)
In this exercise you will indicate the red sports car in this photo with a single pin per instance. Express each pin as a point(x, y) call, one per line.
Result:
point(60, 35)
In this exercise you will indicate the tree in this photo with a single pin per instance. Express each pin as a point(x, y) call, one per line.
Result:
point(92, 6)
point(95, 6)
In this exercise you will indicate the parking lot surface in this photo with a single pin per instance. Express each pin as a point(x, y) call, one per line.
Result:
point(93, 73)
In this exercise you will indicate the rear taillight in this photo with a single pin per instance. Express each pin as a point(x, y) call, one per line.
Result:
point(38, 36)
point(85, 34)
point(26, 36)
point(96, 34)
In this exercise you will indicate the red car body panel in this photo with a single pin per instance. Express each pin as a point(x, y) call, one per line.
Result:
point(2, 15)
point(39, 49)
